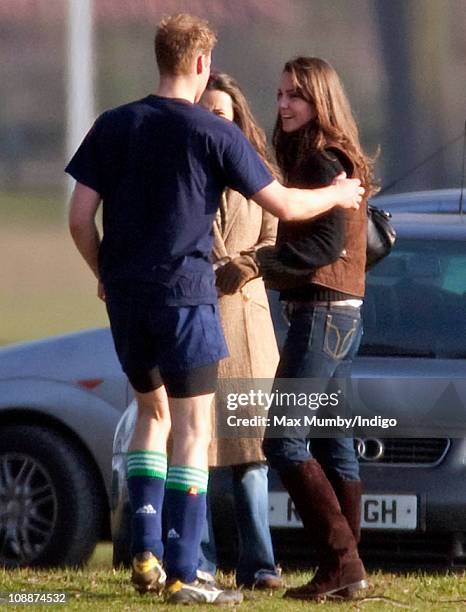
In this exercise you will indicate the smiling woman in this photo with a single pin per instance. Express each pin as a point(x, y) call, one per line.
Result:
point(294, 110)
point(319, 266)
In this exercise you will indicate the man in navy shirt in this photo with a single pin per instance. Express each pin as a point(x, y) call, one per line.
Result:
point(159, 165)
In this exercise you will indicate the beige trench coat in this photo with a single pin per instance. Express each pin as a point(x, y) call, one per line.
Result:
point(245, 316)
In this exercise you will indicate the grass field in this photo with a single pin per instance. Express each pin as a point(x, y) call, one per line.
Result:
point(46, 288)
point(99, 587)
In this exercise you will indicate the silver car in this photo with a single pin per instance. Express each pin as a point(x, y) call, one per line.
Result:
point(62, 398)
point(60, 401)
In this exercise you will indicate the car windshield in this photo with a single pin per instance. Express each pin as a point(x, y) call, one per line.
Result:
point(415, 301)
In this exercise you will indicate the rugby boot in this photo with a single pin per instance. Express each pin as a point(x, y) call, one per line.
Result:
point(197, 592)
point(148, 573)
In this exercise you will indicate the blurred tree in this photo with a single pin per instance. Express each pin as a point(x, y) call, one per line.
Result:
point(414, 45)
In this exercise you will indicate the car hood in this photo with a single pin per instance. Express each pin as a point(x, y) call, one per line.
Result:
point(81, 355)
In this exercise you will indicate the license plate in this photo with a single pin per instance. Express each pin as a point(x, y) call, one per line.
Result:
point(377, 511)
point(389, 511)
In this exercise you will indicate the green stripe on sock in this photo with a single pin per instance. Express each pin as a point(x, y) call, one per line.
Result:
point(147, 452)
point(155, 464)
point(184, 487)
point(185, 469)
point(148, 459)
point(183, 478)
point(146, 463)
point(197, 485)
point(187, 477)
point(146, 472)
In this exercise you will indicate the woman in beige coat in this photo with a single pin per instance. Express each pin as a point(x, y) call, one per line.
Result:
point(242, 227)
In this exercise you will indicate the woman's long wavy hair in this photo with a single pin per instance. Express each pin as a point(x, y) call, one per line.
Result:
point(242, 115)
point(333, 125)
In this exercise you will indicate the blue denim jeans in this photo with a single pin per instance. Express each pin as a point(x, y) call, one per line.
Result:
point(321, 344)
point(250, 492)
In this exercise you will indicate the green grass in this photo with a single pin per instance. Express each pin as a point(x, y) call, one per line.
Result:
point(32, 209)
point(46, 288)
point(38, 317)
point(99, 587)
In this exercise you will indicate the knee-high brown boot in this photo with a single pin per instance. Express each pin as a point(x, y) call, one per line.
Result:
point(340, 572)
point(349, 495)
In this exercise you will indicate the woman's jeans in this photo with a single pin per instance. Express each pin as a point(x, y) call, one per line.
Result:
point(321, 344)
point(250, 492)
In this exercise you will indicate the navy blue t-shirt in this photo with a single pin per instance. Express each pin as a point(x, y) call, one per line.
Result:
point(160, 166)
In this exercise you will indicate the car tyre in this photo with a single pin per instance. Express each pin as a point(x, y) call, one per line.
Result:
point(51, 512)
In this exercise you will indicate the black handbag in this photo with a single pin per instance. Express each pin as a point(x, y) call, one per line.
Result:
point(381, 235)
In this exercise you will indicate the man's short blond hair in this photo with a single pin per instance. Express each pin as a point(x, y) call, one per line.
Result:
point(178, 39)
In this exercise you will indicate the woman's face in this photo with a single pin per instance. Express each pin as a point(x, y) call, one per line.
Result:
point(219, 103)
point(294, 111)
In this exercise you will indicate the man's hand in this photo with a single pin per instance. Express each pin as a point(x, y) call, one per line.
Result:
point(350, 191)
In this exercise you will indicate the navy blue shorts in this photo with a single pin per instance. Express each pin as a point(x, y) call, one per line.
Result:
point(178, 346)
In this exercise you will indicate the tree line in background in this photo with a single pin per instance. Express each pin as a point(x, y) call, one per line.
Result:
point(402, 62)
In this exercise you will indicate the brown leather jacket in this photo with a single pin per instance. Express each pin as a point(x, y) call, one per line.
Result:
point(347, 273)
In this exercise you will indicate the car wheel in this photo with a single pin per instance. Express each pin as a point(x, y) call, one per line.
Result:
point(50, 513)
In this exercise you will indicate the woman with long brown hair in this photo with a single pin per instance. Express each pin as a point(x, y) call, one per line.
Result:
point(240, 229)
point(320, 268)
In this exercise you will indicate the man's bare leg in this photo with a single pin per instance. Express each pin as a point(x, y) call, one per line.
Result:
point(153, 421)
point(147, 472)
point(187, 485)
point(191, 420)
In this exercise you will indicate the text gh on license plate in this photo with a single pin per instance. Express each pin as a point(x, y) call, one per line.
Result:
point(377, 511)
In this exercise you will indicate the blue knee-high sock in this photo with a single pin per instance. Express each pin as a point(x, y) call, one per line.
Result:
point(186, 506)
point(146, 471)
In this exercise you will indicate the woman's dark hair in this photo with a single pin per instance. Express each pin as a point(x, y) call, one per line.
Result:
point(242, 114)
point(333, 125)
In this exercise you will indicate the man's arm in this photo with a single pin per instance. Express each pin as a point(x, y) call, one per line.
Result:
point(291, 204)
point(83, 208)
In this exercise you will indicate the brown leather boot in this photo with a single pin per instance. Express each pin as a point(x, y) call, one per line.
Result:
point(349, 495)
point(341, 572)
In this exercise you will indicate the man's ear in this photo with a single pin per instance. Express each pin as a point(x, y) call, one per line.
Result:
point(199, 64)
